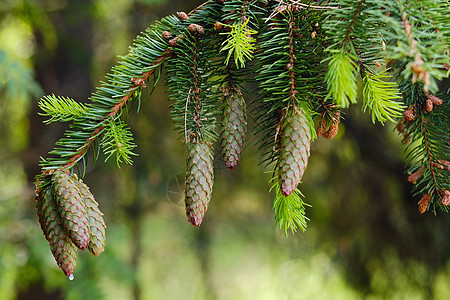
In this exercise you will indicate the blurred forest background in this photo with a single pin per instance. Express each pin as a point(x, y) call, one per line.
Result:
point(366, 238)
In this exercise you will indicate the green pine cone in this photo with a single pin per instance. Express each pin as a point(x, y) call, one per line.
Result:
point(199, 181)
point(295, 147)
point(234, 129)
point(71, 208)
point(96, 223)
point(63, 250)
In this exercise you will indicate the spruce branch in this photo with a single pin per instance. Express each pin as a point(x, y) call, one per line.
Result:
point(301, 54)
point(122, 86)
point(426, 134)
point(413, 35)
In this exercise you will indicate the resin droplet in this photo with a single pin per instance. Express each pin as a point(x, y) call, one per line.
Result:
point(71, 277)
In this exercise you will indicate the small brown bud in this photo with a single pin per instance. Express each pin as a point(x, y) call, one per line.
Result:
point(316, 25)
point(173, 42)
point(435, 100)
point(389, 64)
point(194, 28)
point(166, 34)
point(182, 15)
point(423, 203)
point(332, 131)
point(446, 66)
point(442, 164)
point(282, 8)
point(313, 34)
point(218, 25)
point(139, 81)
point(377, 64)
point(408, 115)
point(428, 105)
point(400, 126)
point(321, 129)
point(288, 66)
point(446, 164)
point(446, 198)
point(414, 176)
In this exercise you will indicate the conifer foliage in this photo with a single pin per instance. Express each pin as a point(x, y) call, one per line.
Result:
point(310, 61)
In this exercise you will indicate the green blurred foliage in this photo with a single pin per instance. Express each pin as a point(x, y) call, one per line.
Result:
point(365, 239)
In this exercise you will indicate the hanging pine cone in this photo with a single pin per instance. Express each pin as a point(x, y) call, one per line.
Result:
point(234, 129)
point(63, 250)
point(96, 223)
point(199, 181)
point(295, 146)
point(71, 208)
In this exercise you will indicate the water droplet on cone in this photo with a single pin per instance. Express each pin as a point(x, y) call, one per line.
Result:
point(71, 277)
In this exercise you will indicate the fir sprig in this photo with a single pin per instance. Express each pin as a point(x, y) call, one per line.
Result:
point(379, 97)
point(240, 43)
point(341, 78)
point(289, 211)
point(118, 140)
point(60, 108)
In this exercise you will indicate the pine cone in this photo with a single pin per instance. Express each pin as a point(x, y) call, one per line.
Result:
point(295, 146)
point(96, 223)
point(199, 181)
point(234, 129)
point(63, 250)
point(71, 208)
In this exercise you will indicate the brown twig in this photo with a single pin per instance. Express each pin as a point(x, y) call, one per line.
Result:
point(292, 92)
point(355, 16)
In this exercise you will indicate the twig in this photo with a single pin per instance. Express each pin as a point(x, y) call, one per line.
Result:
point(185, 115)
